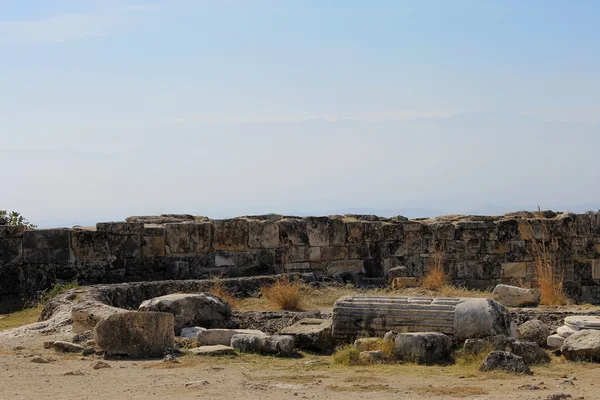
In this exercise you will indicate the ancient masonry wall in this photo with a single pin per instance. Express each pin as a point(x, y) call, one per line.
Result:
point(479, 251)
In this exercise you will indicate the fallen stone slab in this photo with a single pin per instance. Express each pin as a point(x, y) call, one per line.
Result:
point(578, 322)
point(505, 361)
point(422, 347)
point(555, 341)
point(311, 334)
point(462, 318)
point(282, 345)
point(191, 332)
point(87, 314)
point(566, 331)
point(192, 309)
point(212, 337)
point(534, 331)
point(67, 347)
point(582, 345)
point(513, 296)
point(216, 350)
point(136, 334)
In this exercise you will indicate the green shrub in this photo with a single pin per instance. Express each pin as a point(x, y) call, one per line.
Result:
point(57, 289)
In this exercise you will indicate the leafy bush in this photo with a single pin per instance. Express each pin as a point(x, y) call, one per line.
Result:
point(14, 218)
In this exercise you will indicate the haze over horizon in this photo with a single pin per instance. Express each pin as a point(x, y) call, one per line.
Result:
point(116, 108)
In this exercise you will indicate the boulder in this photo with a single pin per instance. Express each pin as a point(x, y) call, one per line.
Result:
point(505, 361)
point(531, 352)
point(422, 347)
point(87, 314)
point(513, 296)
point(578, 322)
point(397, 272)
point(391, 335)
point(136, 334)
point(534, 331)
point(371, 357)
point(566, 331)
point(555, 341)
point(311, 334)
point(212, 337)
point(282, 345)
point(195, 309)
point(582, 345)
point(67, 347)
point(217, 350)
point(191, 332)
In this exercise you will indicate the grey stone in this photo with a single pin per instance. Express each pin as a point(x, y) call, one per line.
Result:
point(191, 332)
point(263, 234)
point(100, 365)
point(67, 347)
point(423, 347)
point(391, 335)
point(211, 337)
point(372, 357)
point(317, 230)
point(47, 246)
point(187, 238)
point(282, 345)
point(83, 337)
point(215, 350)
point(11, 231)
point(566, 331)
point(87, 314)
point(513, 296)
point(529, 351)
point(230, 234)
point(10, 250)
point(558, 396)
point(577, 322)
point(311, 334)
point(534, 331)
point(582, 345)
point(124, 246)
point(396, 272)
point(121, 228)
point(195, 309)
point(555, 341)
point(170, 358)
point(505, 361)
point(90, 246)
point(39, 360)
point(136, 334)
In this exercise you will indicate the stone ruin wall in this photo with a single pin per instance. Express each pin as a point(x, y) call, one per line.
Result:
point(479, 251)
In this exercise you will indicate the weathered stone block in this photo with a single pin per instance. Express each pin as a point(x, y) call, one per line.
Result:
point(293, 232)
point(153, 246)
point(355, 232)
point(311, 334)
point(443, 231)
point(47, 246)
point(317, 230)
point(10, 249)
point(297, 267)
point(374, 231)
point(263, 234)
point(358, 251)
point(90, 245)
point(337, 232)
point(153, 230)
point(393, 232)
point(124, 246)
point(595, 269)
point(336, 267)
point(120, 228)
point(187, 238)
point(514, 270)
point(296, 254)
point(11, 231)
point(331, 253)
point(230, 234)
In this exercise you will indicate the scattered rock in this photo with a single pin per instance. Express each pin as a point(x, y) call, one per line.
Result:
point(530, 352)
point(502, 360)
point(191, 332)
point(566, 331)
point(534, 331)
point(372, 357)
point(529, 387)
point(74, 373)
point(558, 396)
point(89, 351)
point(192, 309)
point(67, 347)
point(136, 334)
point(583, 345)
point(272, 322)
point(100, 365)
point(90, 343)
point(83, 337)
point(170, 358)
point(311, 334)
point(513, 296)
point(216, 350)
point(39, 360)
point(579, 322)
point(422, 347)
point(18, 348)
point(196, 385)
point(555, 341)
point(212, 337)
point(282, 345)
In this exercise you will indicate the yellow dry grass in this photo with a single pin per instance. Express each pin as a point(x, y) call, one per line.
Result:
point(286, 293)
point(19, 318)
point(219, 289)
point(435, 277)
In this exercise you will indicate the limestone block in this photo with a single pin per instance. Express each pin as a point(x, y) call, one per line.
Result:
point(358, 251)
point(578, 322)
point(505, 361)
point(374, 231)
point(404, 282)
point(422, 347)
point(336, 267)
point(216, 350)
point(513, 296)
point(90, 246)
point(212, 337)
point(555, 341)
point(534, 331)
point(120, 228)
point(187, 238)
point(153, 230)
point(47, 246)
point(230, 234)
point(297, 267)
point(595, 269)
point(331, 253)
point(282, 345)
point(582, 345)
point(263, 234)
point(10, 249)
point(152, 246)
point(298, 254)
point(392, 231)
point(136, 334)
point(514, 270)
point(566, 331)
point(311, 334)
point(317, 230)
point(337, 232)
point(124, 246)
point(443, 231)
point(355, 232)
point(11, 231)
point(87, 314)
point(191, 332)
point(293, 232)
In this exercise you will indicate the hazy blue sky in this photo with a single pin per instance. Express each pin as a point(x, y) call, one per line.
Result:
point(110, 108)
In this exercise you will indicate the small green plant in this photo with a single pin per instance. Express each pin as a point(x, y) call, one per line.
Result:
point(347, 355)
point(14, 218)
point(57, 289)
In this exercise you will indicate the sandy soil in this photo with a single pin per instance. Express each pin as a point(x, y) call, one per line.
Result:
point(259, 377)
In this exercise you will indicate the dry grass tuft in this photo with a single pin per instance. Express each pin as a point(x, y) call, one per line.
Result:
point(547, 277)
point(219, 289)
point(285, 293)
point(435, 278)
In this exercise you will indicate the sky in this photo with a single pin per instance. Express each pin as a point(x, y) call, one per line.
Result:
point(111, 108)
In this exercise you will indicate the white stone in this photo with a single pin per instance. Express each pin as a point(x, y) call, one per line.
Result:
point(566, 331)
point(191, 332)
point(582, 345)
point(217, 350)
point(555, 341)
point(513, 296)
point(212, 337)
point(578, 322)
